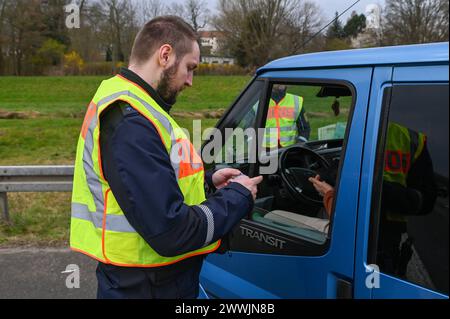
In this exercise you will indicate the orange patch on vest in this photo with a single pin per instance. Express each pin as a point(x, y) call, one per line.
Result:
point(397, 162)
point(190, 162)
point(280, 112)
point(90, 113)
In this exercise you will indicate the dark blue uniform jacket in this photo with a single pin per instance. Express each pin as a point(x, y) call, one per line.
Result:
point(138, 169)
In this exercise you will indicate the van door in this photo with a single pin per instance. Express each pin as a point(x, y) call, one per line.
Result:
point(272, 253)
point(402, 239)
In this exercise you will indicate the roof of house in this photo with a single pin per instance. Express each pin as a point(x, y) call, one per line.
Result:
point(210, 34)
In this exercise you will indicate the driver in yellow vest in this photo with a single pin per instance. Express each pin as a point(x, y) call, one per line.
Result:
point(138, 202)
point(286, 122)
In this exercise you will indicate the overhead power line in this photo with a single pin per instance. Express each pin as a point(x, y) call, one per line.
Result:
point(320, 31)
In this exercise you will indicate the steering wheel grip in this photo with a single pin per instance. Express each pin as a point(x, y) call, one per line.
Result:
point(296, 178)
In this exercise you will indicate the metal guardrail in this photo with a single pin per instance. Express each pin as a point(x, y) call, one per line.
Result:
point(33, 179)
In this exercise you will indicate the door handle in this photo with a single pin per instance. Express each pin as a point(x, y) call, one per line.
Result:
point(344, 289)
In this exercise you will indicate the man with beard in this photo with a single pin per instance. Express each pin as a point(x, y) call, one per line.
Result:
point(138, 202)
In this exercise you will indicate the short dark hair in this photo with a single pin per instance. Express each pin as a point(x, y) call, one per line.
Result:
point(163, 30)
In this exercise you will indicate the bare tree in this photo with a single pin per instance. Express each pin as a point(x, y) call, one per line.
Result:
point(303, 20)
point(117, 27)
point(257, 31)
point(87, 33)
point(25, 29)
point(195, 12)
point(54, 17)
point(250, 28)
point(416, 21)
point(2, 36)
point(114, 12)
point(2, 9)
point(149, 9)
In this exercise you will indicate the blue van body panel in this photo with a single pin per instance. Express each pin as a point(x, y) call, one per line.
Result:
point(370, 72)
point(381, 80)
point(404, 54)
point(393, 288)
point(390, 287)
point(299, 276)
point(412, 74)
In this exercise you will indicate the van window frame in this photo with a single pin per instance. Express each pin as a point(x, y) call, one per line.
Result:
point(308, 248)
point(375, 206)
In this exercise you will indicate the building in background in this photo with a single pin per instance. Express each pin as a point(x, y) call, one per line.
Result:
point(210, 42)
point(372, 34)
point(216, 60)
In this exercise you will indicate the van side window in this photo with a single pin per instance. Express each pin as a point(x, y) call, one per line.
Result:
point(313, 116)
point(234, 151)
point(410, 223)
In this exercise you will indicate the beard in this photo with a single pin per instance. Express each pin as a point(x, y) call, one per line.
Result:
point(165, 88)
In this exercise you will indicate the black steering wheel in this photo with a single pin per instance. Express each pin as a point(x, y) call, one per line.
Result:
point(297, 164)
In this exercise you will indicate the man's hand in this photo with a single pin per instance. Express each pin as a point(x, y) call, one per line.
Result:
point(222, 177)
point(321, 187)
point(249, 183)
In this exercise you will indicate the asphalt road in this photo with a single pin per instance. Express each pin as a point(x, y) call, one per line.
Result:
point(36, 274)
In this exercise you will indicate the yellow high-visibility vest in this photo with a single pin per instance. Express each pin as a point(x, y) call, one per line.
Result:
point(99, 227)
point(281, 123)
point(403, 147)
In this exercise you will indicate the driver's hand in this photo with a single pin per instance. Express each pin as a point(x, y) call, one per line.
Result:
point(321, 187)
point(249, 183)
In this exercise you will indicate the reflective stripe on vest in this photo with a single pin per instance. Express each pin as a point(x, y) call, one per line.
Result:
point(117, 223)
point(99, 227)
point(281, 124)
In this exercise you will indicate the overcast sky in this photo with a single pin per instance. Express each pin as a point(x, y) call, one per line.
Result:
point(329, 7)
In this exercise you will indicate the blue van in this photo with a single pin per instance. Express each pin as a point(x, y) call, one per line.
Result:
point(373, 123)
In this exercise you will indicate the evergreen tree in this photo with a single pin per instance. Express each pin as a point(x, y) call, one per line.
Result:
point(336, 31)
point(355, 25)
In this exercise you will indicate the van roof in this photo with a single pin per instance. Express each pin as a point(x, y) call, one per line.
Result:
point(402, 54)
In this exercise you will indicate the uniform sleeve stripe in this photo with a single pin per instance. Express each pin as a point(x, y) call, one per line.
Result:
point(210, 221)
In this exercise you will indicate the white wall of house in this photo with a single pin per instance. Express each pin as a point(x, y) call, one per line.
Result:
point(210, 42)
point(216, 60)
